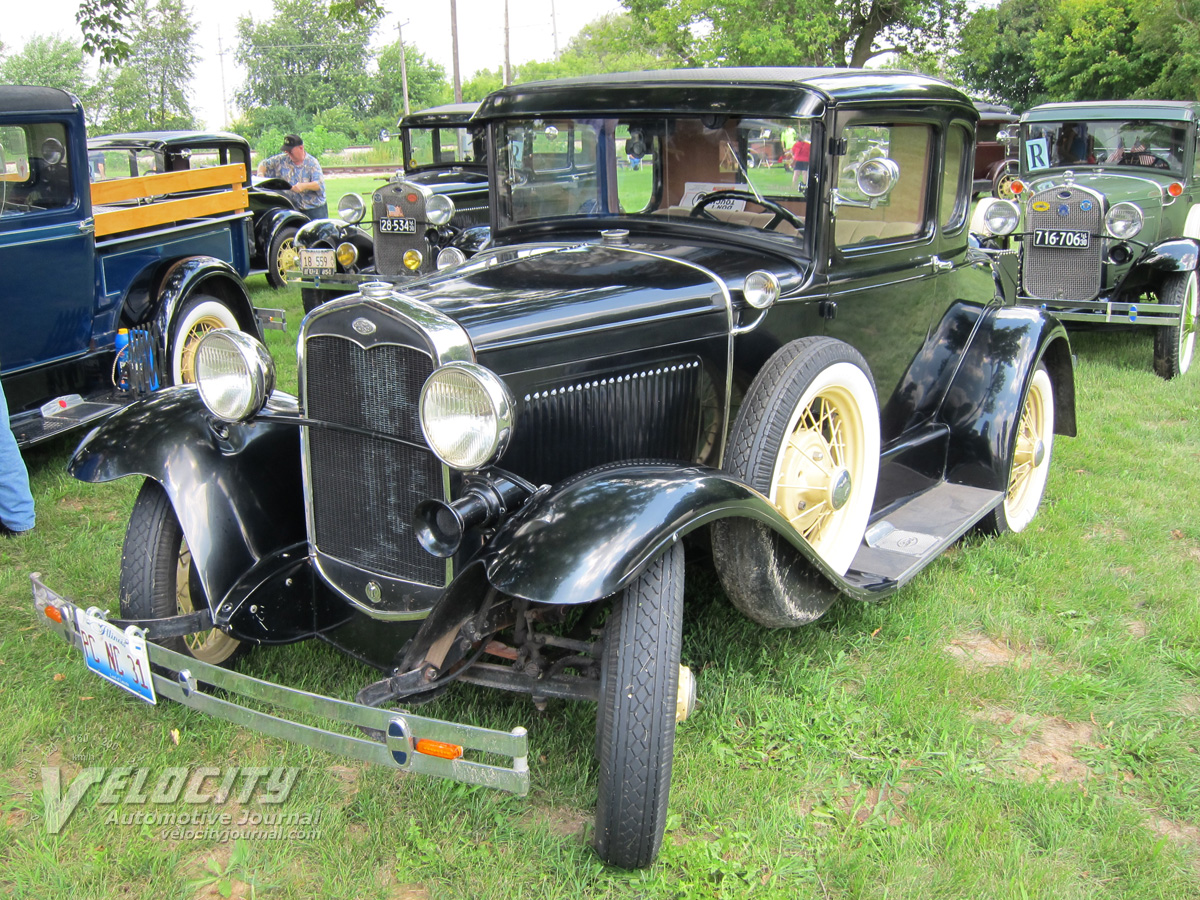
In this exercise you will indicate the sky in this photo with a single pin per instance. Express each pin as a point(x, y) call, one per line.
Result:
point(426, 25)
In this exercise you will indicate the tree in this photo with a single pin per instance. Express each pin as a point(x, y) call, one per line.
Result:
point(796, 32)
point(427, 85)
point(53, 61)
point(150, 90)
point(1085, 51)
point(996, 56)
point(305, 59)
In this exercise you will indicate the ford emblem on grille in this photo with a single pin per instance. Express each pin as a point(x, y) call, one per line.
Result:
point(363, 326)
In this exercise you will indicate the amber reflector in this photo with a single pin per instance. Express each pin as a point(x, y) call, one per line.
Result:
point(437, 748)
point(1175, 189)
point(53, 613)
point(1018, 187)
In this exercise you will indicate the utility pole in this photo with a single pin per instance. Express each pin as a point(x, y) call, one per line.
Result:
point(554, 28)
point(507, 64)
point(403, 63)
point(454, 42)
point(221, 55)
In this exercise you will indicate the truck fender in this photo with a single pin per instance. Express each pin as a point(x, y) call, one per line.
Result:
point(1177, 255)
point(200, 274)
point(236, 488)
point(270, 222)
point(982, 406)
point(590, 536)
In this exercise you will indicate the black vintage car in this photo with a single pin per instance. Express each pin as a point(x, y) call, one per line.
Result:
point(431, 215)
point(489, 474)
point(272, 202)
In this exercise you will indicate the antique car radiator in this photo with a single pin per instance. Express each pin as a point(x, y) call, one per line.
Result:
point(367, 476)
point(1063, 272)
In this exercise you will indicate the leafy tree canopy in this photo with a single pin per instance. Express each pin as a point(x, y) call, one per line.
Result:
point(149, 91)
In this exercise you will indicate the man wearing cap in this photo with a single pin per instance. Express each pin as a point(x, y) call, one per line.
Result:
point(302, 171)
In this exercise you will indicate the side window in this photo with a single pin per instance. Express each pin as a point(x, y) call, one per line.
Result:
point(35, 172)
point(903, 212)
point(1196, 161)
point(954, 191)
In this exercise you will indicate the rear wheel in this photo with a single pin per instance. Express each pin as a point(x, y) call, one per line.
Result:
point(1032, 448)
point(1175, 345)
point(199, 315)
point(159, 579)
point(282, 258)
point(635, 719)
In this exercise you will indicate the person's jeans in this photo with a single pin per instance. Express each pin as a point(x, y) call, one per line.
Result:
point(16, 502)
point(317, 212)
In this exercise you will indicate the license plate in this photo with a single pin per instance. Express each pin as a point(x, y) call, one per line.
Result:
point(115, 655)
point(1070, 240)
point(317, 262)
point(393, 225)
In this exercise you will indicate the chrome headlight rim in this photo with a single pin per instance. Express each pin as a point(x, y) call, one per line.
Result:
point(235, 374)
point(351, 209)
point(494, 430)
point(449, 257)
point(1002, 217)
point(439, 209)
point(1124, 220)
point(876, 177)
point(761, 289)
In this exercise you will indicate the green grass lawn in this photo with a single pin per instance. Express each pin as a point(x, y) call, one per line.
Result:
point(1019, 722)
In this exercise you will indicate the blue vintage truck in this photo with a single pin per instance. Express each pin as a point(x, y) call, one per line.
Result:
point(106, 284)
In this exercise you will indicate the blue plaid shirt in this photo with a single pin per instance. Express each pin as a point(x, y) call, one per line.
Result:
point(281, 166)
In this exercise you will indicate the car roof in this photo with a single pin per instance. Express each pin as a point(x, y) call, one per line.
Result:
point(31, 98)
point(166, 140)
point(995, 112)
point(1176, 110)
point(448, 114)
point(759, 92)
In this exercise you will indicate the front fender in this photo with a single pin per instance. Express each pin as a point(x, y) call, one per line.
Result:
point(983, 404)
point(1178, 255)
point(236, 490)
point(268, 223)
point(205, 274)
point(590, 536)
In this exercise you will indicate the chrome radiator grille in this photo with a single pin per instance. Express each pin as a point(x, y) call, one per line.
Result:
point(1060, 273)
point(364, 487)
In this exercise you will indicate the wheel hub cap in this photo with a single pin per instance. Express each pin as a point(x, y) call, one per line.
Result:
point(1039, 453)
point(839, 489)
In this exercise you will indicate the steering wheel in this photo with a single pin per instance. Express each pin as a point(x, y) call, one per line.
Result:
point(782, 214)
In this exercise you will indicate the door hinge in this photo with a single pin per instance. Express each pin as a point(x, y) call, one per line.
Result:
point(837, 146)
point(827, 309)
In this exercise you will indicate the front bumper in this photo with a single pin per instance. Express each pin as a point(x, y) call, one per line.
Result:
point(1108, 312)
point(179, 677)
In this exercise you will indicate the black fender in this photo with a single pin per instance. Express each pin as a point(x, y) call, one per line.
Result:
point(268, 223)
point(236, 488)
point(982, 406)
point(590, 536)
point(1175, 255)
point(471, 240)
point(331, 232)
point(193, 274)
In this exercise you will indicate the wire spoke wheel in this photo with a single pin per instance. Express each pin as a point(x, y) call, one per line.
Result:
point(1033, 445)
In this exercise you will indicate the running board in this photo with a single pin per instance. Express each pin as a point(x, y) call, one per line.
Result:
point(64, 414)
point(902, 543)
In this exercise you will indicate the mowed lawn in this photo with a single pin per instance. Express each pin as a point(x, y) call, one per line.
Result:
point(1019, 722)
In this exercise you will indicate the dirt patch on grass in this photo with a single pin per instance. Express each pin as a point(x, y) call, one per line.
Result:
point(1048, 749)
point(1106, 532)
point(1137, 628)
point(1185, 836)
point(346, 779)
point(1189, 704)
point(561, 822)
point(978, 651)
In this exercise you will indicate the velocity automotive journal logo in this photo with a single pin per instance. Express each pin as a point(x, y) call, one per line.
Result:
point(139, 786)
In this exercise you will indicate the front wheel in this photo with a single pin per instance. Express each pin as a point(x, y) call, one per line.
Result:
point(1174, 345)
point(635, 720)
point(1030, 466)
point(1002, 183)
point(198, 316)
point(159, 579)
point(282, 258)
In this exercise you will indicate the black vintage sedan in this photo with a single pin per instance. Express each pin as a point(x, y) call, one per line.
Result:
point(489, 474)
point(431, 215)
point(272, 202)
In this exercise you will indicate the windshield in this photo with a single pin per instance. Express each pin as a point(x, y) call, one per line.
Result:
point(443, 146)
point(1106, 142)
point(720, 170)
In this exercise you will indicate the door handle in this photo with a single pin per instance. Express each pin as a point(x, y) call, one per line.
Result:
point(941, 265)
point(87, 226)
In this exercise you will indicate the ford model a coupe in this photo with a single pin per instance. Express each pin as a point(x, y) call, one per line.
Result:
point(1111, 230)
point(488, 474)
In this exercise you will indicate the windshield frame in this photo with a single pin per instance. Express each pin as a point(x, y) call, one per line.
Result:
point(1060, 143)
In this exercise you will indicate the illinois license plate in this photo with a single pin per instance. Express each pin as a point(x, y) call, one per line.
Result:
point(1070, 240)
point(317, 262)
point(115, 655)
point(395, 225)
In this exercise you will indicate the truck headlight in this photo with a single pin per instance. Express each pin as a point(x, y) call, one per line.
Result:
point(235, 374)
point(351, 208)
point(439, 209)
point(466, 415)
point(1124, 220)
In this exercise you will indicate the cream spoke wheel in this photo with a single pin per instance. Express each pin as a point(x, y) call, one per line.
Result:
point(287, 258)
point(1175, 345)
point(195, 318)
point(1033, 444)
point(192, 341)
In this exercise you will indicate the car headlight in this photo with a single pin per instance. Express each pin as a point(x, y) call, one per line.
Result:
point(1124, 220)
point(449, 257)
point(351, 208)
point(876, 177)
point(1002, 217)
point(235, 374)
point(761, 289)
point(439, 209)
point(466, 415)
